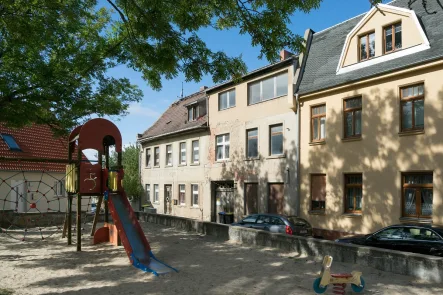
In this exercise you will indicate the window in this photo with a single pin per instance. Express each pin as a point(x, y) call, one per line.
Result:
point(182, 194)
point(353, 193)
point(169, 155)
point(10, 141)
point(148, 158)
point(268, 88)
point(183, 153)
point(276, 140)
point(318, 192)
point(195, 152)
point(251, 198)
point(367, 46)
point(250, 219)
point(59, 188)
point(318, 123)
point(226, 100)
point(392, 38)
point(412, 100)
point(352, 117)
point(193, 112)
point(252, 143)
point(156, 193)
point(157, 157)
point(222, 149)
point(276, 198)
point(194, 188)
point(148, 192)
point(417, 195)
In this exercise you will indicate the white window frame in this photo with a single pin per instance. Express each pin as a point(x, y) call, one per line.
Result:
point(228, 97)
point(182, 150)
point(148, 161)
point(195, 112)
point(59, 188)
point(261, 88)
point(168, 155)
point(224, 143)
point(195, 150)
point(148, 192)
point(270, 139)
point(194, 190)
point(156, 193)
point(182, 189)
point(155, 156)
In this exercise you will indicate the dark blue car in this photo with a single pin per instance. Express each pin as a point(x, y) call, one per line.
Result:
point(291, 225)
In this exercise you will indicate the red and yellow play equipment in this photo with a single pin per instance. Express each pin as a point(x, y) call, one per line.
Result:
point(338, 280)
point(86, 178)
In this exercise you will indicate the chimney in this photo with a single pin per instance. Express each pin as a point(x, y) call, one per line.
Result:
point(284, 54)
point(203, 88)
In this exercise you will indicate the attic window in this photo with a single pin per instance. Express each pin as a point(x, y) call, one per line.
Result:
point(10, 141)
point(367, 46)
point(392, 37)
point(193, 112)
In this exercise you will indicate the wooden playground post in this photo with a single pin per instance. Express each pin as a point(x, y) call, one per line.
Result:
point(69, 219)
point(79, 204)
point(107, 167)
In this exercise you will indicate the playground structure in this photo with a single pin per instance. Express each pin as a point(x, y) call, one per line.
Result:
point(338, 280)
point(86, 179)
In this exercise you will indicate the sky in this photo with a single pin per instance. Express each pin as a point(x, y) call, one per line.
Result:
point(143, 114)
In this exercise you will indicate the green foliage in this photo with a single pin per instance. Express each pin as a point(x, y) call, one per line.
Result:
point(6, 291)
point(54, 54)
point(130, 161)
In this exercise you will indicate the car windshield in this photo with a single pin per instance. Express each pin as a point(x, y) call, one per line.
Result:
point(297, 221)
point(250, 219)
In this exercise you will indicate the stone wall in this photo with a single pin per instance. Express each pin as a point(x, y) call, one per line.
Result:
point(425, 267)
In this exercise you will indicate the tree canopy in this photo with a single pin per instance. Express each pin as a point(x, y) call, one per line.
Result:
point(55, 54)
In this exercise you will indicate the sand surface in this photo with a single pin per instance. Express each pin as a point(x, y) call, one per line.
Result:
point(206, 265)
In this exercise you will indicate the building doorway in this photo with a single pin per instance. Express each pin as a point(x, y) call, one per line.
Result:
point(276, 198)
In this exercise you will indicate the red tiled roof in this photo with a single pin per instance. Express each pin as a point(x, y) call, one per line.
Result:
point(174, 119)
point(36, 142)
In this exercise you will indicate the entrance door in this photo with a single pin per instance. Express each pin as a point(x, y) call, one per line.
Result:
point(168, 199)
point(251, 198)
point(276, 202)
point(18, 196)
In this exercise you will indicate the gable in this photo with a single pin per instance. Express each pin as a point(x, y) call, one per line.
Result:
point(374, 23)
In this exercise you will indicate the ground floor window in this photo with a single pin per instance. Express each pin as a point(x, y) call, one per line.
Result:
point(251, 198)
point(182, 194)
point(318, 192)
point(276, 197)
point(194, 188)
point(156, 193)
point(353, 193)
point(417, 194)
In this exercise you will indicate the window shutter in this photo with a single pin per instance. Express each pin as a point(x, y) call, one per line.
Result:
point(318, 187)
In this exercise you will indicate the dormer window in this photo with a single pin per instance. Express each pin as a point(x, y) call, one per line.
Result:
point(193, 112)
point(392, 37)
point(10, 142)
point(367, 46)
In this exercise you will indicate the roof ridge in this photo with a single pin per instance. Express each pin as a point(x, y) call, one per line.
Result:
point(349, 19)
point(187, 97)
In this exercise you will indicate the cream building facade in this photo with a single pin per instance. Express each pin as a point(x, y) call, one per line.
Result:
point(370, 105)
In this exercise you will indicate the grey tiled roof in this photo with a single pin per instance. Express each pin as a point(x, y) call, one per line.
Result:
point(326, 47)
point(175, 118)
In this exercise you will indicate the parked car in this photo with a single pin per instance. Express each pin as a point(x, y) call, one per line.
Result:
point(417, 238)
point(291, 225)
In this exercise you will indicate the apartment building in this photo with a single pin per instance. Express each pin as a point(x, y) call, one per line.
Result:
point(252, 152)
point(371, 101)
point(173, 154)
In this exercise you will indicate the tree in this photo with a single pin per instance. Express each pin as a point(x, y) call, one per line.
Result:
point(130, 161)
point(54, 54)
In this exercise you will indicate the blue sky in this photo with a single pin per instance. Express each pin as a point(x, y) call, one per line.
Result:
point(142, 115)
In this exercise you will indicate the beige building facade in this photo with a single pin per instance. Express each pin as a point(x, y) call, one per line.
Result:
point(370, 142)
point(252, 146)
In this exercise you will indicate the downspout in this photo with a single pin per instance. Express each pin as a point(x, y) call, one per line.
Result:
point(297, 105)
point(138, 145)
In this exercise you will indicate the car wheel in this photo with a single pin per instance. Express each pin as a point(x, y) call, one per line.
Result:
point(317, 288)
point(358, 289)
